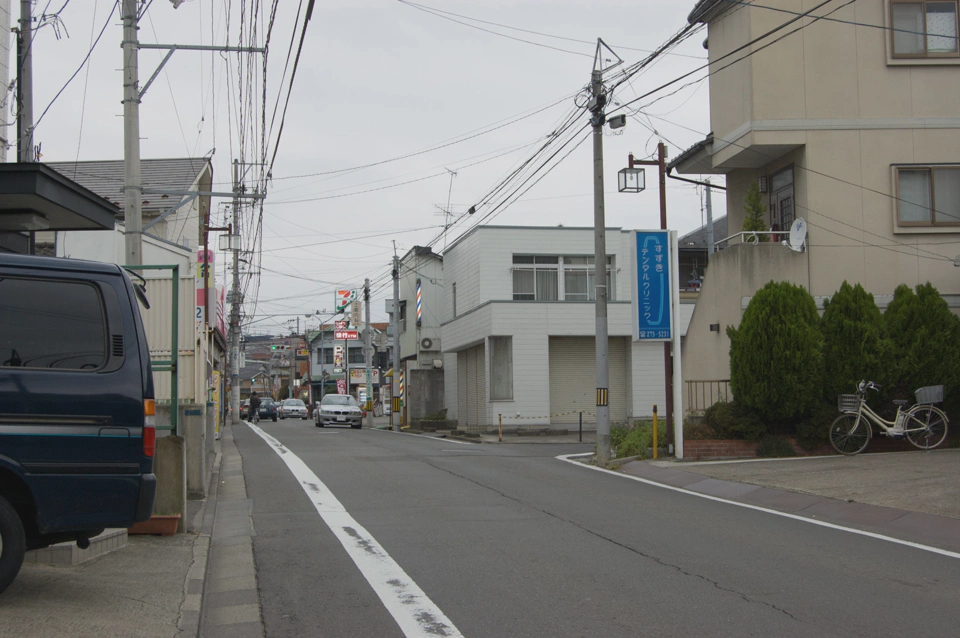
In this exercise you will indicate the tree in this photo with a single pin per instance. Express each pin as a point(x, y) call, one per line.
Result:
point(756, 212)
point(925, 340)
point(855, 346)
point(776, 364)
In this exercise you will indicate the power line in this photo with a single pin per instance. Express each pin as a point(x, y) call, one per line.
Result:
point(546, 35)
point(86, 58)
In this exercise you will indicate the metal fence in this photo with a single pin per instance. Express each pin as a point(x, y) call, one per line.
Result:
point(702, 394)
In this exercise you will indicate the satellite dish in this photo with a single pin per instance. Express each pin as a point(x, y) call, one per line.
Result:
point(798, 235)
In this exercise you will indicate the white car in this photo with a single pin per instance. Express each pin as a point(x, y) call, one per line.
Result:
point(293, 409)
point(339, 409)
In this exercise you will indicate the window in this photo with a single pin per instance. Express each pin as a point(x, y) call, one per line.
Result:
point(781, 199)
point(579, 276)
point(51, 324)
point(924, 29)
point(403, 316)
point(356, 355)
point(928, 195)
point(501, 368)
point(328, 356)
point(536, 279)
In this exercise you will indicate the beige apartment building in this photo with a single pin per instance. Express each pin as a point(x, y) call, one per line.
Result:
point(851, 122)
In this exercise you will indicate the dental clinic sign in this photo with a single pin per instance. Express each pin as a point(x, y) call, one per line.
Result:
point(655, 292)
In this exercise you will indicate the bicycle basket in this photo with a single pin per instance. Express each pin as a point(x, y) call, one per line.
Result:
point(930, 394)
point(848, 402)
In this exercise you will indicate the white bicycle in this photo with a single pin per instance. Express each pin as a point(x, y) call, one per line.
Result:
point(923, 424)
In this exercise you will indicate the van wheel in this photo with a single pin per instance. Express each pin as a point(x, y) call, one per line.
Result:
point(12, 544)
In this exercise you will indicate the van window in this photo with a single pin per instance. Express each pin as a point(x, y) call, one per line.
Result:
point(51, 324)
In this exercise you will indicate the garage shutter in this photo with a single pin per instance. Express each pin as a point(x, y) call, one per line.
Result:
point(471, 386)
point(573, 379)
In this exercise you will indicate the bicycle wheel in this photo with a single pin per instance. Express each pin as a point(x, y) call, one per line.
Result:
point(849, 434)
point(926, 426)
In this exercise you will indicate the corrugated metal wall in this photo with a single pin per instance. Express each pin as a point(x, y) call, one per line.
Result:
point(157, 322)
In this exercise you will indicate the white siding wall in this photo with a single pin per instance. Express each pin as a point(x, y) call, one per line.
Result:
point(481, 264)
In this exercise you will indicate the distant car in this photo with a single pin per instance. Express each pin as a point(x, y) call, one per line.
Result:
point(339, 409)
point(293, 408)
point(268, 410)
point(245, 409)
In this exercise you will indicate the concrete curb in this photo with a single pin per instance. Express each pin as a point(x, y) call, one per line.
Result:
point(68, 554)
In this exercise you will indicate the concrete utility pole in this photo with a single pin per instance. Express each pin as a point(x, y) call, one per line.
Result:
point(25, 84)
point(709, 219)
point(235, 305)
point(600, 273)
point(132, 188)
point(368, 354)
point(395, 392)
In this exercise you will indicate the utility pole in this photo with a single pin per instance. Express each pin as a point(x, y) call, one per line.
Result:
point(709, 219)
point(235, 305)
point(132, 188)
point(395, 391)
point(368, 355)
point(600, 272)
point(25, 84)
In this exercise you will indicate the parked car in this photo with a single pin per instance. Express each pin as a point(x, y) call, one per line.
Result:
point(77, 405)
point(339, 409)
point(245, 409)
point(268, 409)
point(293, 409)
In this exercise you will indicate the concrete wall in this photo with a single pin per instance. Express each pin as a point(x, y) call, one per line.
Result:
point(424, 394)
point(734, 274)
point(170, 467)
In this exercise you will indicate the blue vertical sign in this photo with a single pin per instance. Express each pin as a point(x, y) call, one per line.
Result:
point(653, 285)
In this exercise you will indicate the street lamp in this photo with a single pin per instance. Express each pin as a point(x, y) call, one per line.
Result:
point(230, 241)
point(631, 180)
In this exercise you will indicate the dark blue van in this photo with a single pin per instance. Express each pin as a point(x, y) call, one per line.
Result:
point(77, 431)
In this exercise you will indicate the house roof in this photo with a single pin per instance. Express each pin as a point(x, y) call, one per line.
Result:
point(704, 10)
point(697, 240)
point(106, 178)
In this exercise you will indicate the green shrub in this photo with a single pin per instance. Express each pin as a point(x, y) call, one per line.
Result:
point(855, 346)
point(437, 416)
point(811, 430)
point(925, 338)
point(731, 420)
point(776, 363)
point(698, 430)
point(634, 440)
point(775, 447)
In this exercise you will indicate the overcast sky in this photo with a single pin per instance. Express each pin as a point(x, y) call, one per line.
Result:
point(379, 79)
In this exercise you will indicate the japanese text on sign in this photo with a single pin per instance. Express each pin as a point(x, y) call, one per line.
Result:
point(653, 285)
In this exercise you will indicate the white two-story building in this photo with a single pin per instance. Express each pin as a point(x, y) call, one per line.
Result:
point(520, 319)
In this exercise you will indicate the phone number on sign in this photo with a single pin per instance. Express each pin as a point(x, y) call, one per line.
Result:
point(654, 334)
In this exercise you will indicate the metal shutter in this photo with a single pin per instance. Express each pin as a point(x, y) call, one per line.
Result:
point(573, 379)
point(481, 386)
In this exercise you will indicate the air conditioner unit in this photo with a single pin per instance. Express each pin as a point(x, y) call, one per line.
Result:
point(429, 344)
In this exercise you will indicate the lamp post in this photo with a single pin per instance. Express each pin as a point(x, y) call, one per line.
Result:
point(632, 180)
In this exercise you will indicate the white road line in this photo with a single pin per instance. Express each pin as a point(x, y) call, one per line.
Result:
point(413, 610)
point(569, 458)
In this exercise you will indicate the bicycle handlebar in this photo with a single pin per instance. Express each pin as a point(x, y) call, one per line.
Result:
point(867, 385)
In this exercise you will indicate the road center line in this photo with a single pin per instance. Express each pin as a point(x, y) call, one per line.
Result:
point(415, 613)
point(570, 458)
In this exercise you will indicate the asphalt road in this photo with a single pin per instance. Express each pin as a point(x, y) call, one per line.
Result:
point(508, 541)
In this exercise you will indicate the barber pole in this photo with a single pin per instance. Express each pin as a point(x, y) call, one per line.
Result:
point(419, 307)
